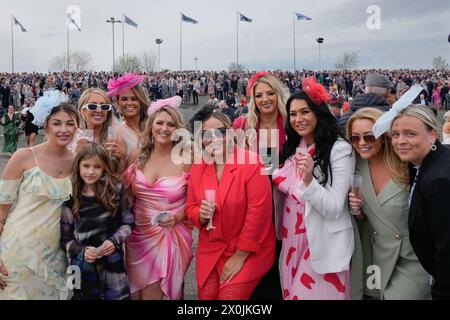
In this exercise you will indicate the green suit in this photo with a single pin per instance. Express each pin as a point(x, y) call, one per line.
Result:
point(385, 242)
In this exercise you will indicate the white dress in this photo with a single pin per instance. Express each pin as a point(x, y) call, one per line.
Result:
point(29, 243)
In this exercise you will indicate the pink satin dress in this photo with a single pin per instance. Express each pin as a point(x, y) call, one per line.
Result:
point(154, 253)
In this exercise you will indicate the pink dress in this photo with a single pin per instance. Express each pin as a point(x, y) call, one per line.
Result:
point(154, 253)
point(436, 97)
point(299, 280)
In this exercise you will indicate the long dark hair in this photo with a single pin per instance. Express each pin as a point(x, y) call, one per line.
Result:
point(105, 189)
point(325, 134)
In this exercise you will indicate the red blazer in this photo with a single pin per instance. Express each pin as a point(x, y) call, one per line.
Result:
point(243, 218)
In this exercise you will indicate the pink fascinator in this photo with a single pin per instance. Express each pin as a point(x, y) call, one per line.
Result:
point(253, 80)
point(173, 102)
point(123, 84)
point(315, 91)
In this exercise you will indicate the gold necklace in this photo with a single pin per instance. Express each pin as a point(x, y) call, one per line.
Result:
point(59, 169)
point(270, 126)
point(135, 132)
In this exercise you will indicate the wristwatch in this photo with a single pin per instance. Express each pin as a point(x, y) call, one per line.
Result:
point(3, 221)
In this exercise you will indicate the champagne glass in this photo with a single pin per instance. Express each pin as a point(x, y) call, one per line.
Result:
point(210, 196)
point(83, 136)
point(88, 134)
point(299, 151)
point(112, 135)
point(356, 184)
point(265, 158)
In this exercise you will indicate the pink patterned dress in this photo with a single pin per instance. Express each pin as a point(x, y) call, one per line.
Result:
point(299, 280)
point(154, 253)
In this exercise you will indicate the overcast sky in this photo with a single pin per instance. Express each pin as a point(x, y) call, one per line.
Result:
point(412, 32)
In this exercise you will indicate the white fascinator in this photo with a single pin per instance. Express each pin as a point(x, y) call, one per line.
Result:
point(383, 124)
point(45, 104)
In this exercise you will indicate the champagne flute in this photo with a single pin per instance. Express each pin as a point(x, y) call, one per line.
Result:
point(83, 136)
point(301, 149)
point(265, 158)
point(356, 184)
point(210, 196)
point(88, 134)
point(112, 135)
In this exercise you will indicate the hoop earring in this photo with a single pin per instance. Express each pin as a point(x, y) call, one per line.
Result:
point(433, 147)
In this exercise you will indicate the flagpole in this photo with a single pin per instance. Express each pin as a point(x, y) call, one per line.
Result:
point(123, 36)
point(237, 40)
point(12, 44)
point(181, 35)
point(68, 52)
point(294, 41)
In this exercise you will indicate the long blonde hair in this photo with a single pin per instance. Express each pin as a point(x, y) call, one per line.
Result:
point(398, 169)
point(83, 100)
point(421, 113)
point(149, 145)
point(142, 96)
point(253, 112)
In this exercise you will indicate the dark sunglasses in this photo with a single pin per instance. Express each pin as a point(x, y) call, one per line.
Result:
point(101, 107)
point(207, 134)
point(369, 138)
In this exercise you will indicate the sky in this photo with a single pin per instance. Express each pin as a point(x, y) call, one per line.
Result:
point(411, 32)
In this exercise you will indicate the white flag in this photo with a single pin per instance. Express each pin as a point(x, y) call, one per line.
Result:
point(73, 20)
point(129, 21)
point(17, 23)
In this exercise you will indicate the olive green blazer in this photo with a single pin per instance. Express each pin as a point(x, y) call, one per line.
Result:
point(385, 242)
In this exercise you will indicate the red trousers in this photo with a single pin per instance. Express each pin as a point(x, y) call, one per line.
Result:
point(213, 290)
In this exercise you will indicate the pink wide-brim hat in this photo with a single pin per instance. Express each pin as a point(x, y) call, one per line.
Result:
point(123, 84)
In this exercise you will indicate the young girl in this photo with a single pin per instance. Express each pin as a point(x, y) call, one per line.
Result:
point(94, 225)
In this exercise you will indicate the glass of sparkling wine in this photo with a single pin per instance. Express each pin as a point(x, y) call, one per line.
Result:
point(356, 184)
point(112, 136)
point(210, 196)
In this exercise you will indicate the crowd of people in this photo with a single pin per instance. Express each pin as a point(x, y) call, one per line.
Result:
point(225, 89)
point(121, 180)
point(19, 88)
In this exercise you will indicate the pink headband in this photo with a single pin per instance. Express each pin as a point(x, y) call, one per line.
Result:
point(315, 91)
point(123, 84)
point(174, 102)
point(253, 80)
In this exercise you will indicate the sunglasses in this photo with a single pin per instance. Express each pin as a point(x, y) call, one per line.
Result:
point(369, 138)
point(208, 134)
point(95, 107)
